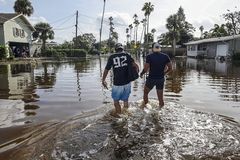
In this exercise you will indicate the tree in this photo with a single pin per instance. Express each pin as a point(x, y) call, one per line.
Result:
point(130, 27)
point(149, 37)
point(218, 31)
point(115, 36)
point(165, 39)
point(233, 18)
point(201, 28)
point(136, 23)
point(173, 27)
point(111, 30)
point(43, 32)
point(153, 32)
point(186, 29)
point(179, 30)
point(85, 41)
point(127, 35)
point(144, 21)
point(23, 7)
point(148, 8)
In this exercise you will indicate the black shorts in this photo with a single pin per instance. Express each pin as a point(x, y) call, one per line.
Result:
point(159, 83)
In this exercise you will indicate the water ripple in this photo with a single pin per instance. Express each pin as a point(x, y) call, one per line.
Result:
point(174, 132)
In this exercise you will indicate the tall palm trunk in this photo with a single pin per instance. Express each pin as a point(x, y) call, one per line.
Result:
point(102, 24)
point(147, 29)
point(136, 34)
point(130, 35)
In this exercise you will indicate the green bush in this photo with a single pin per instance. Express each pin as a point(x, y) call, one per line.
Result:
point(60, 53)
point(11, 54)
point(93, 52)
point(74, 52)
point(3, 53)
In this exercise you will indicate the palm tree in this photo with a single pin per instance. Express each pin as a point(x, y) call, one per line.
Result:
point(130, 27)
point(43, 32)
point(218, 31)
point(115, 36)
point(104, 4)
point(144, 28)
point(148, 8)
point(153, 32)
point(127, 31)
point(136, 23)
point(173, 26)
point(111, 30)
point(23, 7)
point(201, 28)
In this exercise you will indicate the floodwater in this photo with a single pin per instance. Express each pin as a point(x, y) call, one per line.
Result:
point(66, 102)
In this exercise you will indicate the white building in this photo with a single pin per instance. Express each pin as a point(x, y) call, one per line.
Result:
point(16, 33)
point(214, 47)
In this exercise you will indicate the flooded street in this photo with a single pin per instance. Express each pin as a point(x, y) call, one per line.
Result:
point(66, 109)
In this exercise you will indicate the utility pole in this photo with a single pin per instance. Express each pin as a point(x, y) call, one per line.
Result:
point(100, 41)
point(76, 29)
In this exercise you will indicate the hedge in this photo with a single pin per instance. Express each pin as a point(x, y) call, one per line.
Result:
point(65, 53)
point(3, 53)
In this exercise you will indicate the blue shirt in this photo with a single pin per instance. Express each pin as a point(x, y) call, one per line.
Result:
point(157, 62)
point(120, 63)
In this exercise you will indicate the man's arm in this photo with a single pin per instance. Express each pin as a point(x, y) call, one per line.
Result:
point(104, 83)
point(168, 68)
point(145, 69)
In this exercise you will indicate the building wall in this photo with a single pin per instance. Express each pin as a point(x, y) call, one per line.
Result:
point(237, 46)
point(211, 50)
point(192, 50)
point(19, 24)
point(1, 35)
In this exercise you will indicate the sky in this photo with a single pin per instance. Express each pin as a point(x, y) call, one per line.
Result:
point(60, 14)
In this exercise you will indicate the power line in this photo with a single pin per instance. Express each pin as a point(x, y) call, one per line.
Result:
point(30, 25)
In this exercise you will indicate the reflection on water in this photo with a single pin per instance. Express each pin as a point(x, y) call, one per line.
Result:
point(58, 91)
point(62, 90)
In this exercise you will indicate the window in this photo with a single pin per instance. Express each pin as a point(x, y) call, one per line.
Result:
point(22, 33)
point(18, 32)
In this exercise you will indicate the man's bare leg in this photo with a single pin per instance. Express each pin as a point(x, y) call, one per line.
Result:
point(160, 97)
point(145, 96)
point(117, 108)
point(125, 104)
point(125, 107)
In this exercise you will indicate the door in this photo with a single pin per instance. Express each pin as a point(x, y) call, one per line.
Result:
point(222, 50)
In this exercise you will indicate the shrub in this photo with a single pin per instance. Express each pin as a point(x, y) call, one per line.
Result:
point(94, 52)
point(74, 52)
point(60, 53)
point(3, 53)
point(11, 54)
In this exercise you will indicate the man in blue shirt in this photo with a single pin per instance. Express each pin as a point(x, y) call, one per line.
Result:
point(158, 64)
point(120, 62)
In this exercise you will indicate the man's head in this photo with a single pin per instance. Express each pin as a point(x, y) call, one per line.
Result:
point(156, 47)
point(119, 47)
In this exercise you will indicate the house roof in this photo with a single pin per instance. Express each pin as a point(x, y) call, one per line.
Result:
point(4, 17)
point(218, 39)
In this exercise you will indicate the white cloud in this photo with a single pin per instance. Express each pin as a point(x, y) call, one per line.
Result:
point(120, 20)
point(35, 20)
